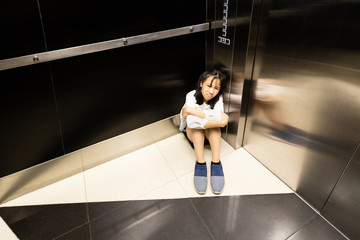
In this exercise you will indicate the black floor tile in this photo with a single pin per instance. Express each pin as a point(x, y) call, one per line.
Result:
point(45, 221)
point(97, 209)
point(254, 217)
point(317, 229)
point(157, 219)
point(275, 217)
point(80, 233)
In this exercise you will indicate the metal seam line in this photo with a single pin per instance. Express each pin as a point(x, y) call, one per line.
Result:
point(97, 47)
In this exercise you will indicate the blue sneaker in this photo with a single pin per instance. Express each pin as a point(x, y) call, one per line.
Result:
point(217, 180)
point(200, 178)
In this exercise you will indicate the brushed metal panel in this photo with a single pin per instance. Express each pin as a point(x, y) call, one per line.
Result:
point(223, 28)
point(128, 142)
point(164, 128)
point(342, 208)
point(38, 176)
point(305, 105)
point(231, 22)
point(320, 114)
point(247, 25)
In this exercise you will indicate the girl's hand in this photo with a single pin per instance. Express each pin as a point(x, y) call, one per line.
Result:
point(224, 119)
point(185, 112)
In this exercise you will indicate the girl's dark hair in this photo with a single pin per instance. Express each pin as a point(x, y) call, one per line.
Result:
point(215, 74)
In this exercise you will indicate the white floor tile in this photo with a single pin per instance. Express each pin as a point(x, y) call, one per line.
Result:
point(129, 176)
point(244, 175)
point(181, 156)
point(68, 190)
point(6, 232)
point(172, 190)
point(159, 171)
point(178, 153)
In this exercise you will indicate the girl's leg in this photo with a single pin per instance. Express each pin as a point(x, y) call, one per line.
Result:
point(214, 137)
point(217, 180)
point(197, 137)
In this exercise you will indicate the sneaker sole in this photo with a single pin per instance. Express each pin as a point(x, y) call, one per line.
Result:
point(217, 193)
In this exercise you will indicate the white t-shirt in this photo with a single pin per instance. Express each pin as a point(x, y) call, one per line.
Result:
point(210, 114)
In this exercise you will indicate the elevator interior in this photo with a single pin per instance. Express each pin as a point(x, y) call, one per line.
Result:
point(293, 97)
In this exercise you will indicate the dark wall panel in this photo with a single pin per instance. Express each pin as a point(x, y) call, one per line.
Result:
point(99, 95)
point(70, 23)
point(109, 93)
point(20, 25)
point(29, 126)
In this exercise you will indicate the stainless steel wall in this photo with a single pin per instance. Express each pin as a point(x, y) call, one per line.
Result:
point(226, 49)
point(304, 110)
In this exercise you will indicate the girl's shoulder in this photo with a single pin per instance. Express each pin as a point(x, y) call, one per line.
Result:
point(191, 94)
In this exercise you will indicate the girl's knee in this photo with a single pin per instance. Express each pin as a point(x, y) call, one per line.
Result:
point(212, 130)
point(195, 134)
point(213, 133)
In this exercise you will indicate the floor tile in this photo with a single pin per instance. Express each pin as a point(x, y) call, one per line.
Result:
point(98, 209)
point(68, 190)
point(244, 175)
point(6, 232)
point(44, 222)
point(181, 156)
point(163, 129)
point(158, 219)
point(129, 176)
point(317, 229)
point(126, 200)
point(254, 217)
point(115, 147)
point(171, 190)
point(80, 233)
point(178, 153)
point(158, 166)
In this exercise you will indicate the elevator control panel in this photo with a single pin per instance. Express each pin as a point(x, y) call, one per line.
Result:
point(223, 38)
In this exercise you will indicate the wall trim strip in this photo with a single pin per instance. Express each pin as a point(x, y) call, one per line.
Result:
point(100, 46)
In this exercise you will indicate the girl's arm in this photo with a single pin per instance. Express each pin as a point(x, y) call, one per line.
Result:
point(210, 123)
point(222, 123)
point(206, 118)
point(192, 111)
point(197, 122)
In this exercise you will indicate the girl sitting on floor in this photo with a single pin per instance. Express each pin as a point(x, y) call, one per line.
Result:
point(201, 117)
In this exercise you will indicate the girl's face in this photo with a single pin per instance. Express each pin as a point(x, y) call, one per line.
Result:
point(210, 88)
